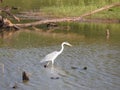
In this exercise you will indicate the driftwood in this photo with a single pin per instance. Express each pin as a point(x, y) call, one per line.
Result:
point(6, 23)
point(25, 77)
point(69, 18)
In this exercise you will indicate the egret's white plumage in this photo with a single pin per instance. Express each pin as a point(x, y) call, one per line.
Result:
point(52, 56)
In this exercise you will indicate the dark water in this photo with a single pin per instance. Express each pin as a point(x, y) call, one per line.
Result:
point(92, 48)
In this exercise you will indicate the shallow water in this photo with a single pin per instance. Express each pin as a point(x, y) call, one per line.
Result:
point(102, 62)
point(92, 48)
point(24, 50)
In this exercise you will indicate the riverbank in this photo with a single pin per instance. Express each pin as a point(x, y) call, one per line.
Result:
point(65, 8)
point(75, 11)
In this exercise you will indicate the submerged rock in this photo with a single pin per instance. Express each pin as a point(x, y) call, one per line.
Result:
point(78, 68)
point(54, 77)
point(85, 68)
point(45, 66)
point(14, 85)
point(73, 67)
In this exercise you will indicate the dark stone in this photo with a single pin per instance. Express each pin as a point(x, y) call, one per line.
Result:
point(25, 77)
point(15, 8)
point(54, 77)
point(110, 10)
point(85, 68)
point(57, 77)
point(52, 25)
point(73, 67)
point(45, 66)
point(15, 86)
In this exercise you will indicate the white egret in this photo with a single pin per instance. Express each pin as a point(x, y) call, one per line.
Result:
point(52, 56)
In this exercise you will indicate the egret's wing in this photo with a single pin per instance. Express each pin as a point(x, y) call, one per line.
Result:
point(50, 56)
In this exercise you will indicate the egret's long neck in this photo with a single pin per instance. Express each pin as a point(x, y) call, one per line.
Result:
point(61, 48)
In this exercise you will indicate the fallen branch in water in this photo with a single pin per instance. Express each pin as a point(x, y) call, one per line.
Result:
point(67, 19)
point(5, 22)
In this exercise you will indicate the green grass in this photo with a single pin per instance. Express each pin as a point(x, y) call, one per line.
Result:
point(66, 8)
point(65, 11)
point(73, 11)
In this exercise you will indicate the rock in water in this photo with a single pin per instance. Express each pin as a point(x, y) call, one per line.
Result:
point(85, 68)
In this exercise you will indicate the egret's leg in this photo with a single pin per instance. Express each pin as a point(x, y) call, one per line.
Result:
point(48, 63)
point(52, 68)
point(52, 63)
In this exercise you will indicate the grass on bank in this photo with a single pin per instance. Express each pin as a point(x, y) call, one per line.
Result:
point(74, 11)
point(66, 8)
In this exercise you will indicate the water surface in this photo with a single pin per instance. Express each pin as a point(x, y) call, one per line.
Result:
point(23, 51)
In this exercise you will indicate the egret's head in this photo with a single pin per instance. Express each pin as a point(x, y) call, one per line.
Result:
point(66, 43)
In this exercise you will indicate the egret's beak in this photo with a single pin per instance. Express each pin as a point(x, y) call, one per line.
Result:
point(70, 45)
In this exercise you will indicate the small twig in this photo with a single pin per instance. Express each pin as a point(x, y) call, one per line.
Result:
point(2, 67)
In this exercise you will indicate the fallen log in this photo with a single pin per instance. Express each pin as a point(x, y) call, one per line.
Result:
point(67, 19)
point(8, 24)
